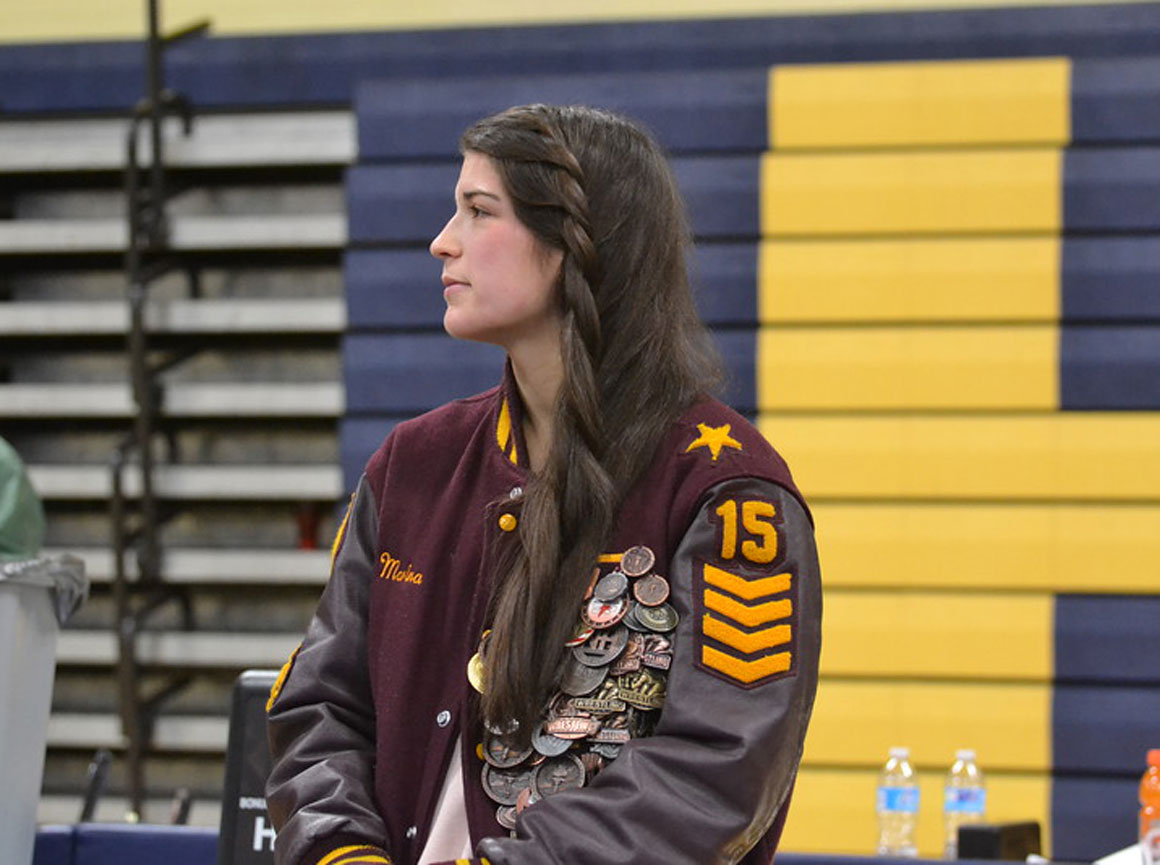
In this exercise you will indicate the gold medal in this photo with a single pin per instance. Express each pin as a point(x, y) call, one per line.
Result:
point(475, 672)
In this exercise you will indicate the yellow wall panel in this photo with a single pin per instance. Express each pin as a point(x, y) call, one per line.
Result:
point(1002, 279)
point(908, 367)
point(1009, 725)
point(904, 104)
point(1088, 456)
point(1024, 546)
point(937, 635)
point(953, 192)
point(833, 809)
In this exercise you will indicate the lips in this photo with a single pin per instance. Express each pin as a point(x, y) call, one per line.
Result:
point(449, 281)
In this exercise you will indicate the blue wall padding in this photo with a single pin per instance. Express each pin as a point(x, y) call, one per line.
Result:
point(724, 278)
point(393, 288)
point(1107, 638)
point(1115, 100)
point(1111, 279)
point(112, 844)
point(1104, 729)
point(325, 68)
point(53, 846)
point(358, 438)
point(1092, 817)
point(409, 203)
point(1110, 368)
point(406, 373)
point(1112, 189)
point(399, 203)
point(400, 289)
point(409, 373)
point(708, 111)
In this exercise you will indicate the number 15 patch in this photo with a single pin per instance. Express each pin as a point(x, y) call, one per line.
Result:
point(745, 621)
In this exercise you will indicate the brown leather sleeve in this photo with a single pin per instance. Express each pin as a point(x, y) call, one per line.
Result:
point(708, 785)
point(321, 721)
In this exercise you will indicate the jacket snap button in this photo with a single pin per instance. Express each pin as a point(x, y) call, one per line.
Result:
point(507, 522)
point(443, 718)
point(412, 831)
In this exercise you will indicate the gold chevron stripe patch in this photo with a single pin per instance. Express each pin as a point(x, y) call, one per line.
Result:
point(750, 590)
point(747, 624)
point(751, 617)
point(745, 641)
point(748, 672)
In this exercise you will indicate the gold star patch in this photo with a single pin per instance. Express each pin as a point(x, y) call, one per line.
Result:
point(714, 438)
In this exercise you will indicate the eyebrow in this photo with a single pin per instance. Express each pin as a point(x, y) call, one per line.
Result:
point(473, 193)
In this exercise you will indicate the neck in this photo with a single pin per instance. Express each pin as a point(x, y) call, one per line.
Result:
point(538, 376)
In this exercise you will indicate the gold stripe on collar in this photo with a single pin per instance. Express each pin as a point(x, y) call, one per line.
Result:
point(503, 427)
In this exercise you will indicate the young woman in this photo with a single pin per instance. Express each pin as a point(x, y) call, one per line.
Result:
point(574, 619)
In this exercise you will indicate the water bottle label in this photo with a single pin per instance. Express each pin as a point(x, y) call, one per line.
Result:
point(904, 799)
point(965, 800)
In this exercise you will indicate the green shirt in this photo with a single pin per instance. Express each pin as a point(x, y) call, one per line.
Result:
point(21, 514)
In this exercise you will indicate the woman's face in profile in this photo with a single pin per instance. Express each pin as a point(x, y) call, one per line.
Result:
point(498, 278)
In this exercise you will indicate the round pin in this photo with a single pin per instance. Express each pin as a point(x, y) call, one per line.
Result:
point(580, 635)
point(500, 754)
point(602, 648)
point(579, 679)
point(565, 772)
point(475, 672)
point(632, 621)
point(611, 586)
point(662, 618)
point(652, 591)
point(547, 744)
point(505, 815)
point(604, 614)
point(637, 561)
point(504, 785)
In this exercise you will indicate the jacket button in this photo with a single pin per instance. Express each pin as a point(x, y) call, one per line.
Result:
point(507, 522)
point(443, 718)
point(412, 831)
point(515, 492)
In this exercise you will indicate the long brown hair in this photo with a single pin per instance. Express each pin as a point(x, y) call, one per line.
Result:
point(597, 187)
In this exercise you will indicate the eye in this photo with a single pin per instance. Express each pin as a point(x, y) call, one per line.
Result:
point(477, 212)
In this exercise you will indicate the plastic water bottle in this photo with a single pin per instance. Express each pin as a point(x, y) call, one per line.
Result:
point(897, 806)
point(964, 799)
point(1150, 810)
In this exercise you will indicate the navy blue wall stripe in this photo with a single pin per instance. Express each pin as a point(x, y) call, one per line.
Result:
point(1111, 279)
point(409, 203)
point(325, 68)
point(1115, 100)
point(1104, 729)
point(1107, 638)
point(1111, 189)
point(407, 373)
point(710, 111)
point(1110, 368)
point(1091, 816)
point(399, 289)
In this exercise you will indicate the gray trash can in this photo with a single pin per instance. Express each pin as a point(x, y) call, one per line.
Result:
point(36, 597)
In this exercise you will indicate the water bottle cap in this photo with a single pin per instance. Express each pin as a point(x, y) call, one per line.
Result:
point(900, 752)
point(965, 754)
point(1154, 757)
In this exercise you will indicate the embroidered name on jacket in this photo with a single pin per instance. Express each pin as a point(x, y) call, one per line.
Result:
point(746, 621)
point(392, 569)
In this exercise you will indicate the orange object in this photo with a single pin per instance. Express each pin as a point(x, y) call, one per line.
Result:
point(1150, 808)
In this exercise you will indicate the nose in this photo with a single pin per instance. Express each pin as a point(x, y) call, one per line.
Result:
point(443, 245)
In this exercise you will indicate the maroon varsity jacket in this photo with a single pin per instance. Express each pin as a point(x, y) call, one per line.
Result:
point(364, 718)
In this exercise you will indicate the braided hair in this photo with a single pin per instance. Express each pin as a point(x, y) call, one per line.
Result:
point(635, 355)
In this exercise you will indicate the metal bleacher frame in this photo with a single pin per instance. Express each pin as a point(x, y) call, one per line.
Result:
point(146, 259)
